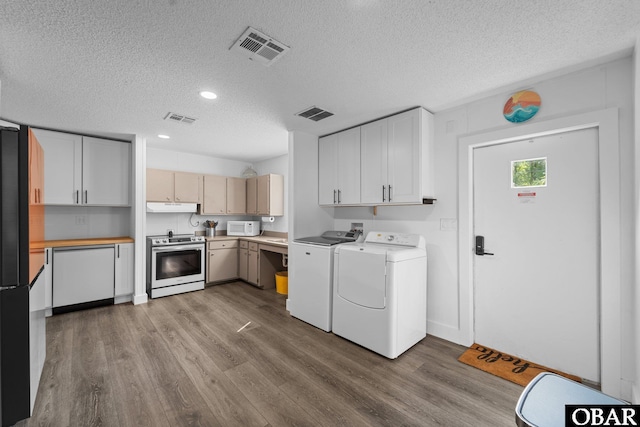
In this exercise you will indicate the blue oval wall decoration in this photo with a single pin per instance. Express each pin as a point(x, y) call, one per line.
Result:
point(521, 106)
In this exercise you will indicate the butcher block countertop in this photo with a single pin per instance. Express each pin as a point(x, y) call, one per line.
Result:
point(83, 242)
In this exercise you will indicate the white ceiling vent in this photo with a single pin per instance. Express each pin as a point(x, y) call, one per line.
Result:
point(259, 47)
point(179, 118)
point(314, 113)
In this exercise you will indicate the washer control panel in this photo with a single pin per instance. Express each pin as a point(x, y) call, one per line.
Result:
point(400, 239)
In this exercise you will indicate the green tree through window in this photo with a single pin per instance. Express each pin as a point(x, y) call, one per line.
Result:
point(529, 173)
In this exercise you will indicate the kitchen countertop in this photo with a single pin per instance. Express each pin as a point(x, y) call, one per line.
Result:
point(265, 240)
point(83, 242)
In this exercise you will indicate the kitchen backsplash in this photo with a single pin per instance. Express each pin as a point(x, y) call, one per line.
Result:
point(78, 222)
point(186, 223)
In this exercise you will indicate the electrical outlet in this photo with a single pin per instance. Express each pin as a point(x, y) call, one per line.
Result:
point(80, 220)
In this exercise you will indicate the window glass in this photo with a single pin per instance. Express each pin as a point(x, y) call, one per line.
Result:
point(529, 173)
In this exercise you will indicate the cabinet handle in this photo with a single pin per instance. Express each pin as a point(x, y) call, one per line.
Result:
point(389, 193)
point(46, 252)
point(85, 196)
point(383, 199)
point(118, 246)
point(77, 197)
point(339, 192)
point(334, 197)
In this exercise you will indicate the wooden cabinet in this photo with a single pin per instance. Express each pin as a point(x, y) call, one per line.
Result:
point(172, 186)
point(236, 196)
point(339, 168)
point(224, 195)
point(248, 262)
point(243, 260)
point(124, 270)
point(215, 195)
point(253, 260)
point(265, 195)
point(82, 170)
point(188, 187)
point(222, 261)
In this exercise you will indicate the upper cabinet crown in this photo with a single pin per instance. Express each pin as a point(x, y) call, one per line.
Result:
point(394, 162)
point(83, 170)
point(170, 186)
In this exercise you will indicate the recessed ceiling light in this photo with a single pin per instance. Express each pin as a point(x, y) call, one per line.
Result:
point(164, 136)
point(208, 95)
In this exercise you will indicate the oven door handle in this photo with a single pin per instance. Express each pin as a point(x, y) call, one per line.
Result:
point(177, 248)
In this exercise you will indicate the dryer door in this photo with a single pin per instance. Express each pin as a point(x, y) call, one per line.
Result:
point(361, 276)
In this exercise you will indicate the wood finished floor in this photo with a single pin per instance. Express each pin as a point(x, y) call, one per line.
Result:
point(179, 361)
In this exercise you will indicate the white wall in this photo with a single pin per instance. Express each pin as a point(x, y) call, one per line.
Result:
point(635, 387)
point(159, 223)
point(306, 217)
point(591, 89)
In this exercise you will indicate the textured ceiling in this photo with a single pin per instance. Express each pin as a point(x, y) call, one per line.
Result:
point(120, 66)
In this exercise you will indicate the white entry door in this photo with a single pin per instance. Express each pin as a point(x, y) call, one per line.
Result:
point(537, 295)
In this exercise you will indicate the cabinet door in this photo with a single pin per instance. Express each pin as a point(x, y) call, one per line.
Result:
point(349, 166)
point(252, 195)
point(404, 157)
point(48, 278)
point(236, 196)
point(373, 173)
point(82, 275)
point(264, 195)
point(124, 269)
point(252, 274)
point(328, 170)
point(223, 265)
point(62, 167)
point(187, 187)
point(215, 195)
point(243, 264)
point(160, 185)
point(106, 171)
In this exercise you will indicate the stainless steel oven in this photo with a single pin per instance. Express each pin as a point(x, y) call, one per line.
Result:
point(175, 264)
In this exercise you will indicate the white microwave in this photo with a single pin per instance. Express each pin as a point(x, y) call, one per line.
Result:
point(243, 228)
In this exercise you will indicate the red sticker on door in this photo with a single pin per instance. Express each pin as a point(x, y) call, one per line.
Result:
point(529, 197)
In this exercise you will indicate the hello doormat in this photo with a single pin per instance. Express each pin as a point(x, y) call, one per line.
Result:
point(505, 366)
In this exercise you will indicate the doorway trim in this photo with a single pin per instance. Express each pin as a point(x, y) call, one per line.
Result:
point(606, 122)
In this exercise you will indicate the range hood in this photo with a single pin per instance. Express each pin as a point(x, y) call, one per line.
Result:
point(172, 207)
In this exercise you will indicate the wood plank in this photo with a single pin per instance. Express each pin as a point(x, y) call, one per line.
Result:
point(180, 360)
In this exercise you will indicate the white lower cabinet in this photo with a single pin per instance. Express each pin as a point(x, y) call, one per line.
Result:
point(123, 269)
point(48, 280)
point(82, 275)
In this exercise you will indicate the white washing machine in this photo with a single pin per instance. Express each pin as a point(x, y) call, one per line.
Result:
point(380, 292)
point(311, 276)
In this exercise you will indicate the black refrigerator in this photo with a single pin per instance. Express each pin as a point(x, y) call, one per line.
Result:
point(21, 262)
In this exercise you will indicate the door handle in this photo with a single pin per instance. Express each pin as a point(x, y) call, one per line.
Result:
point(480, 246)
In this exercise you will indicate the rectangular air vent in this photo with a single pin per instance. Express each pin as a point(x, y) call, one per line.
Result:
point(314, 113)
point(179, 118)
point(259, 47)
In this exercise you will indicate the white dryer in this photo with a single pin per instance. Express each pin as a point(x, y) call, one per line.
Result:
point(380, 292)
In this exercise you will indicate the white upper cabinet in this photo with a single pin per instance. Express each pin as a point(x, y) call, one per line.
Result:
point(339, 168)
point(62, 167)
point(106, 166)
point(81, 170)
point(396, 159)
